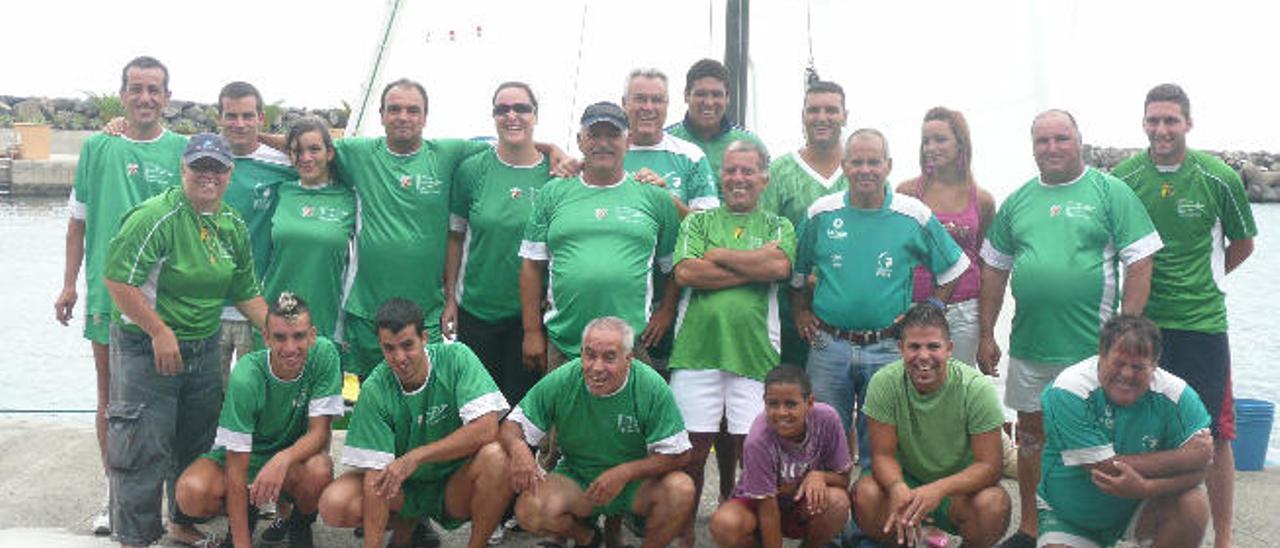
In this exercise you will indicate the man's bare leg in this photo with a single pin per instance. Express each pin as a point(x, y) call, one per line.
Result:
point(1221, 483)
point(702, 442)
point(481, 491)
point(665, 503)
point(1030, 431)
point(556, 508)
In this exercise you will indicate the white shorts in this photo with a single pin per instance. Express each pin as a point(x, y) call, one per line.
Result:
point(707, 395)
point(1025, 383)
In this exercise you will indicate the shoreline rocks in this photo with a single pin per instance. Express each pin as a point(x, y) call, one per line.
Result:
point(186, 117)
point(1260, 170)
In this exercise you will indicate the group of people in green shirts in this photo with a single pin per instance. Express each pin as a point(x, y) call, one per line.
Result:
point(453, 279)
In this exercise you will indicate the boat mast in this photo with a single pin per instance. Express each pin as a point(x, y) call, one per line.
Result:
point(736, 38)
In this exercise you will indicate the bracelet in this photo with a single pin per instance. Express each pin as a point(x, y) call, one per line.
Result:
point(936, 302)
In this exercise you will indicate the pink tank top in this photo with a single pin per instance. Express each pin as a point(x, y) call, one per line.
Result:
point(965, 228)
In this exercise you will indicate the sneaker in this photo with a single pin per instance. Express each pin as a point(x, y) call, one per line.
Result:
point(300, 530)
point(425, 536)
point(277, 532)
point(1018, 540)
point(499, 535)
point(102, 522)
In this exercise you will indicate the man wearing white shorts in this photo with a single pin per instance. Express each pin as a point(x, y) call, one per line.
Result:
point(729, 261)
point(1063, 235)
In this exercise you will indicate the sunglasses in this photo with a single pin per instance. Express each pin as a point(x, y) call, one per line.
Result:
point(211, 166)
point(519, 108)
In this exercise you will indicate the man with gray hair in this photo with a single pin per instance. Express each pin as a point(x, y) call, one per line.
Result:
point(1063, 236)
point(622, 438)
point(730, 261)
point(861, 247)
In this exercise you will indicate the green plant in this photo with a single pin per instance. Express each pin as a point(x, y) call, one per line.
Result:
point(37, 118)
point(109, 106)
point(185, 126)
point(272, 113)
point(6, 120)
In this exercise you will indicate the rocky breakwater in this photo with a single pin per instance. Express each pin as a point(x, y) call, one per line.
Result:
point(184, 117)
point(1260, 171)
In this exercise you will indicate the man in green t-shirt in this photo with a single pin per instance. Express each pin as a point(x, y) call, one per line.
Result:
point(705, 124)
point(112, 176)
point(622, 438)
point(729, 260)
point(935, 442)
point(1199, 206)
point(273, 432)
point(1127, 448)
point(595, 239)
point(799, 178)
point(422, 440)
point(658, 159)
point(1063, 236)
point(252, 193)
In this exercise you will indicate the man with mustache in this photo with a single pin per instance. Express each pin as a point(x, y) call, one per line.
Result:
point(1128, 448)
point(861, 246)
point(596, 240)
point(1063, 236)
point(935, 441)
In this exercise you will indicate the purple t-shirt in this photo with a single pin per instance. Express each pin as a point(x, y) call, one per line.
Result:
point(770, 462)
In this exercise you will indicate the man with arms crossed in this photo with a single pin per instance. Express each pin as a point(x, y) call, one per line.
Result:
point(1198, 205)
point(1127, 448)
point(1063, 236)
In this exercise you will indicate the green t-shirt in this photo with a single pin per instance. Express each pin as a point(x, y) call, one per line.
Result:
point(1195, 207)
point(596, 433)
point(389, 422)
point(311, 232)
point(934, 429)
point(601, 244)
point(1082, 427)
point(491, 203)
point(736, 328)
point(1065, 244)
point(185, 263)
point(252, 193)
point(682, 165)
point(864, 258)
point(794, 186)
point(714, 147)
point(262, 414)
point(404, 220)
point(113, 175)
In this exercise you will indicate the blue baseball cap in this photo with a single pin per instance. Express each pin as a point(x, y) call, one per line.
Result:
point(207, 145)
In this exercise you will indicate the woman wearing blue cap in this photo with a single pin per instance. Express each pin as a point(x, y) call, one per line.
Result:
point(177, 257)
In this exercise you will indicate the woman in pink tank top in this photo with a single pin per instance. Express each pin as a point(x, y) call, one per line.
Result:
point(946, 185)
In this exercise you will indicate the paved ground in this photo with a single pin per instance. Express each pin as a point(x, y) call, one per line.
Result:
point(54, 486)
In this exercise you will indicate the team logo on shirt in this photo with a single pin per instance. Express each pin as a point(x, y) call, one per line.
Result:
point(516, 192)
point(131, 169)
point(1077, 210)
point(157, 176)
point(434, 414)
point(1190, 209)
point(308, 211)
point(837, 232)
point(1166, 190)
point(884, 265)
point(262, 197)
point(406, 181)
point(1150, 442)
point(602, 212)
point(837, 260)
point(628, 424)
point(671, 176)
point(1055, 210)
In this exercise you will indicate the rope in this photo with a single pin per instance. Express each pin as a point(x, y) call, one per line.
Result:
point(810, 72)
point(577, 71)
point(45, 411)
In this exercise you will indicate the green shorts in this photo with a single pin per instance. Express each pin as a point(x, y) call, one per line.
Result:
point(256, 461)
point(620, 505)
point(97, 327)
point(1055, 530)
point(940, 516)
point(426, 499)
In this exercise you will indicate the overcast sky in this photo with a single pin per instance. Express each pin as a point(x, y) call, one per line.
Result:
point(999, 62)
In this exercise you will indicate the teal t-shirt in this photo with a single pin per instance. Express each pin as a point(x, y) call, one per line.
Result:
point(113, 175)
point(491, 204)
point(864, 258)
point(1196, 207)
point(735, 329)
point(601, 244)
point(311, 237)
point(1065, 245)
point(682, 165)
point(934, 429)
point(389, 422)
point(596, 433)
point(1082, 427)
point(186, 263)
point(714, 147)
point(403, 220)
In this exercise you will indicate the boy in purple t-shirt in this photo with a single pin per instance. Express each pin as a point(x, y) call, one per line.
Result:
point(795, 471)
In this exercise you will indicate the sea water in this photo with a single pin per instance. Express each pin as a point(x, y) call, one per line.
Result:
point(47, 368)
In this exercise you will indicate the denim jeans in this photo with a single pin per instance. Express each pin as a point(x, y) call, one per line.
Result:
point(840, 372)
point(157, 425)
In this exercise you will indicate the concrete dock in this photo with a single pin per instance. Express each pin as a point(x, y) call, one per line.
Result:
point(54, 486)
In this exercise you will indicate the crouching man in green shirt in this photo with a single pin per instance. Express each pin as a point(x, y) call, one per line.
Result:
point(623, 441)
point(422, 439)
point(273, 433)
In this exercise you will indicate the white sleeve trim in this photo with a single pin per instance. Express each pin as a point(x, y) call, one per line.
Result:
point(994, 258)
point(1088, 455)
point(483, 405)
point(1141, 249)
point(79, 210)
point(366, 458)
point(1193, 434)
point(666, 263)
point(704, 203)
point(239, 442)
point(534, 251)
point(325, 406)
point(532, 434)
point(457, 223)
point(957, 268)
point(673, 445)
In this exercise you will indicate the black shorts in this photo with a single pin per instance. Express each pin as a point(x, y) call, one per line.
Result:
point(1204, 361)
